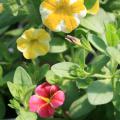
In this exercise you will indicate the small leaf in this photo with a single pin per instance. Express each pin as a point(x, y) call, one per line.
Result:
point(116, 101)
point(71, 93)
point(21, 77)
point(114, 54)
point(64, 69)
point(43, 71)
point(98, 63)
point(100, 92)
point(58, 45)
point(97, 22)
point(80, 107)
point(112, 35)
point(97, 42)
point(83, 83)
point(52, 78)
point(27, 116)
point(15, 90)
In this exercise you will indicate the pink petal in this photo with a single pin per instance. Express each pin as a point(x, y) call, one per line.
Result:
point(54, 89)
point(41, 90)
point(44, 84)
point(35, 102)
point(57, 99)
point(46, 111)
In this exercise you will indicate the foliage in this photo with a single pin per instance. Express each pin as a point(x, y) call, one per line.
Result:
point(88, 73)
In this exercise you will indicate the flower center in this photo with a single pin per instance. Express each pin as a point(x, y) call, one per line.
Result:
point(63, 9)
point(45, 99)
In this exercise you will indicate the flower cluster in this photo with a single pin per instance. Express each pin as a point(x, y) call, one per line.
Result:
point(46, 99)
point(57, 15)
point(64, 15)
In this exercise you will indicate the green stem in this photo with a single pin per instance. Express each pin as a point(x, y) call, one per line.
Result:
point(34, 62)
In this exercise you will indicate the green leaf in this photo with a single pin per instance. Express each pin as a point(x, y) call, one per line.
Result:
point(13, 6)
point(80, 107)
point(71, 93)
point(33, 11)
point(52, 78)
point(97, 42)
point(83, 83)
point(64, 69)
point(15, 90)
point(21, 93)
point(89, 4)
point(14, 104)
point(21, 77)
point(43, 71)
point(112, 5)
point(27, 116)
point(96, 23)
point(114, 54)
point(6, 78)
point(116, 101)
point(98, 63)
point(26, 94)
point(2, 107)
point(58, 45)
point(100, 92)
point(112, 35)
point(79, 57)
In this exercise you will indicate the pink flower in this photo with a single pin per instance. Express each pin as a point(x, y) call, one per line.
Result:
point(46, 99)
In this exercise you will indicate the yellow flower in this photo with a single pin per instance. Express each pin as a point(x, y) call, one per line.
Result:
point(62, 15)
point(1, 7)
point(34, 43)
point(94, 10)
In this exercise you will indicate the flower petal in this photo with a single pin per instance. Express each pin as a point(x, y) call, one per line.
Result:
point(78, 6)
point(41, 90)
point(41, 35)
point(49, 4)
point(36, 49)
point(29, 33)
point(57, 99)
point(94, 10)
point(22, 44)
point(53, 89)
point(70, 23)
point(46, 111)
point(35, 102)
point(52, 21)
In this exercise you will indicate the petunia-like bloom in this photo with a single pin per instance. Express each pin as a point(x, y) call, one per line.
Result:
point(46, 99)
point(34, 43)
point(62, 15)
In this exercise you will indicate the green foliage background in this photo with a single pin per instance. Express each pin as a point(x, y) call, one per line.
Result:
point(89, 74)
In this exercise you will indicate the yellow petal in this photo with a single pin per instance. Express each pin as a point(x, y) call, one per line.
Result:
point(22, 44)
point(28, 33)
point(70, 23)
point(78, 6)
point(52, 21)
point(41, 35)
point(94, 10)
point(35, 50)
point(49, 4)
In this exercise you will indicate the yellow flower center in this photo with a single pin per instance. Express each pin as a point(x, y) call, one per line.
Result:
point(63, 9)
point(45, 99)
